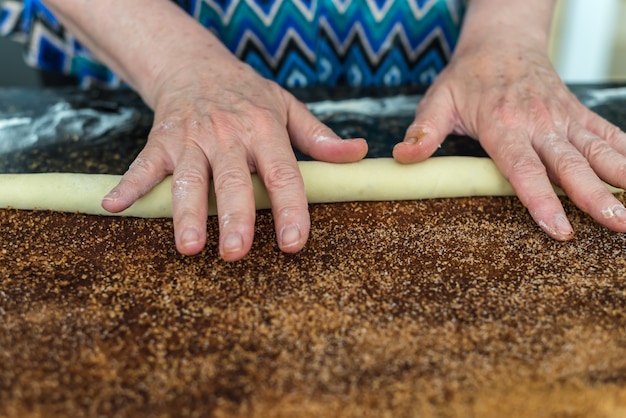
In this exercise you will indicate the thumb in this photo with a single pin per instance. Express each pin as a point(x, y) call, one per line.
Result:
point(434, 120)
point(317, 140)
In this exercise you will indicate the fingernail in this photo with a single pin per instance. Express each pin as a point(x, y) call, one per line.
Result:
point(233, 242)
point(416, 133)
point(620, 212)
point(190, 237)
point(562, 225)
point(112, 195)
point(290, 235)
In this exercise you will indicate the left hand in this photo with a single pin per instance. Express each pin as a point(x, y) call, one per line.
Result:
point(510, 98)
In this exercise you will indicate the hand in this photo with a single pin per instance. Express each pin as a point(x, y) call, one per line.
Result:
point(217, 119)
point(535, 130)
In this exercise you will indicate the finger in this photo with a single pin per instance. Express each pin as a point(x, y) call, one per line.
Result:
point(317, 140)
point(279, 171)
point(521, 165)
point(572, 172)
point(190, 190)
point(606, 130)
point(608, 163)
point(147, 170)
point(432, 124)
point(235, 200)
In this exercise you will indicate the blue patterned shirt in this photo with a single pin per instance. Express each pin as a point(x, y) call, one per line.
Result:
point(294, 42)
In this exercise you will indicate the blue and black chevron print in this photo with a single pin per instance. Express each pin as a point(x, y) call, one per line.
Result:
point(295, 42)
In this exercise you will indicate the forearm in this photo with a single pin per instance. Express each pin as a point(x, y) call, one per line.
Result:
point(520, 22)
point(140, 40)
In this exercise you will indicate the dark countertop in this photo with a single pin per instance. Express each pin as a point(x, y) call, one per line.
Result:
point(96, 131)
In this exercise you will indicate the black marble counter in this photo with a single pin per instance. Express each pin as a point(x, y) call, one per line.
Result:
point(97, 131)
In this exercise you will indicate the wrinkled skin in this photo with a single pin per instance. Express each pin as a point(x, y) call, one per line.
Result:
point(221, 132)
point(217, 120)
point(507, 95)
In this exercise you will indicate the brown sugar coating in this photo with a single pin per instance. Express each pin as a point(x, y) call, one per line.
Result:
point(450, 307)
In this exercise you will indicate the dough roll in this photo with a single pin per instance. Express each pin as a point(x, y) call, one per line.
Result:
point(376, 179)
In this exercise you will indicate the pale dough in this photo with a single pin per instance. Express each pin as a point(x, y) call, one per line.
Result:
point(377, 179)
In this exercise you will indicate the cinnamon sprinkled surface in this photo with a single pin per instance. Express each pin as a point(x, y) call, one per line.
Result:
point(439, 308)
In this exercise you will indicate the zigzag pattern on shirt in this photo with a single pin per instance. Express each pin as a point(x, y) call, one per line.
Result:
point(239, 21)
point(10, 17)
point(267, 9)
point(324, 40)
point(388, 42)
point(294, 42)
point(244, 21)
point(356, 64)
point(278, 38)
point(377, 31)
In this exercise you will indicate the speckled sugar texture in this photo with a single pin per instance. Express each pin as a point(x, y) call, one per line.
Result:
point(438, 308)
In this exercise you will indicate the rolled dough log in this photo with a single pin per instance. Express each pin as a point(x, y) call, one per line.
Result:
point(376, 179)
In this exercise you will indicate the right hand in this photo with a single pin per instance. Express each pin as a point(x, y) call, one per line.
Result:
point(216, 118)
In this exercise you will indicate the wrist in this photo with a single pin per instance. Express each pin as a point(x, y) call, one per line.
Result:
point(509, 25)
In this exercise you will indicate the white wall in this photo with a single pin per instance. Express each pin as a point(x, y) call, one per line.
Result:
point(586, 35)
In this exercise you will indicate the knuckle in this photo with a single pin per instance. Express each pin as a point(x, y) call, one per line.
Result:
point(244, 123)
point(236, 219)
point(142, 166)
point(543, 114)
point(189, 176)
point(263, 119)
point(290, 211)
point(569, 163)
point(166, 126)
point(189, 215)
point(161, 129)
point(219, 118)
point(145, 172)
point(280, 175)
point(525, 167)
point(604, 128)
point(614, 134)
point(187, 179)
point(232, 180)
point(223, 124)
point(276, 90)
point(594, 147)
point(505, 114)
point(598, 194)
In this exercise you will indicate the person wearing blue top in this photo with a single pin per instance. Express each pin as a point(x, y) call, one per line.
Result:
point(215, 72)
